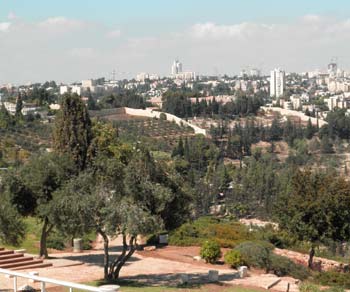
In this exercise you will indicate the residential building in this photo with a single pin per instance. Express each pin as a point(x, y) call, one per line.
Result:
point(277, 83)
point(176, 68)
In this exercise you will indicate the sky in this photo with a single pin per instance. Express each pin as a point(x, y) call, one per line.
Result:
point(71, 40)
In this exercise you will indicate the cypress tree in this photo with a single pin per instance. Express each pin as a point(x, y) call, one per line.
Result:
point(72, 133)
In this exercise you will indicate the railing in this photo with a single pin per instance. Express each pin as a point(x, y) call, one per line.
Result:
point(44, 281)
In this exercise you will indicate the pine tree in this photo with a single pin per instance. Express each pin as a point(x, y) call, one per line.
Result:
point(72, 132)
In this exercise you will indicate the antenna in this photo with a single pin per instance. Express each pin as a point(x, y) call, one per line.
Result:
point(114, 72)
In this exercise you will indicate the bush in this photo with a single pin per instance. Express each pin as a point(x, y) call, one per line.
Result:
point(162, 116)
point(283, 266)
point(55, 241)
point(210, 251)
point(255, 254)
point(226, 233)
point(333, 278)
point(233, 258)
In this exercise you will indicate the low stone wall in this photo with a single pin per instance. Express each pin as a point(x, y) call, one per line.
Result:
point(150, 113)
point(302, 116)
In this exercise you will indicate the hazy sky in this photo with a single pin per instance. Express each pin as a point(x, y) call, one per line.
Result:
point(69, 40)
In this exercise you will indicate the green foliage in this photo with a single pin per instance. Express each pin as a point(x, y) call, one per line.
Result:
point(12, 229)
point(56, 241)
point(283, 266)
point(307, 287)
point(226, 233)
point(333, 278)
point(72, 134)
point(255, 254)
point(210, 251)
point(233, 258)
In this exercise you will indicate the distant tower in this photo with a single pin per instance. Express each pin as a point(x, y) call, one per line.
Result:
point(333, 66)
point(176, 68)
point(277, 83)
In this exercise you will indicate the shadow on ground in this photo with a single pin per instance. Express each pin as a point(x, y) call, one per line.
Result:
point(174, 280)
point(95, 259)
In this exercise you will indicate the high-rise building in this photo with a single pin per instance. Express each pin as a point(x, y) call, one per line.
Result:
point(176, 68)
point(277, 83)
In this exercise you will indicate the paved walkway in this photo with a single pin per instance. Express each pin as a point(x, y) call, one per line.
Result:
point(88, 266)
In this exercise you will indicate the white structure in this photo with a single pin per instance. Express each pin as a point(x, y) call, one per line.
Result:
point(185, 76)
point(176, 68)
point(277, 83)
point(27, 108)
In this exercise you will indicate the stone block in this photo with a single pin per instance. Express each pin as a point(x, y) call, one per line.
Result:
point(243, 272)
point(213, 275)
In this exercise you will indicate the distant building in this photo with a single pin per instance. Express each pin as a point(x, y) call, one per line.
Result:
point(277, 83)
point(176, 68)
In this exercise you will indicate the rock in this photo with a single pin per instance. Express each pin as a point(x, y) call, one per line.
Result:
point(213, 275)
point(197, 258)
point(163, 239)
point(150, 248)
point(184, 278)
point(109, 288)
point(243, 272)
point(26, 288)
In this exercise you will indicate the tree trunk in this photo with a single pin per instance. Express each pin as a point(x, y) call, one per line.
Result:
point(46, 229)
point(106, 253)
point(311, 257)
point(124, 257)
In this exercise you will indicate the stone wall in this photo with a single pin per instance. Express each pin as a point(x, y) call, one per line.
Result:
point(150, 113)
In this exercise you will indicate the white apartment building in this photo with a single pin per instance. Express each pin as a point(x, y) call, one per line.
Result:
point(176, 68)
point(277, 83)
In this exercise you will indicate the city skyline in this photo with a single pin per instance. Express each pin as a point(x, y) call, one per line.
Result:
point(56, 41)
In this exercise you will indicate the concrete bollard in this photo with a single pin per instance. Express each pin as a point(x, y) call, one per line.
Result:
point(243, 272)
point(77, 245)
point(213, 275)
point(109, 288)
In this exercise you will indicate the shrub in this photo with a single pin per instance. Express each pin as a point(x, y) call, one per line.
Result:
point(333, 278)
point(255, 254)
point(307, 287)
point(55, 241)
point(226, 233)
point(283, 266)
point(162, 116)
point(233, 258)
point(210, 251)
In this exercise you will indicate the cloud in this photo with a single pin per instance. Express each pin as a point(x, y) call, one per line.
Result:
point(215, 31)
point(113, 34)
point(76, 49)
point(82, 52)
point(11, 16)
point(62, 24)
point(4, 26)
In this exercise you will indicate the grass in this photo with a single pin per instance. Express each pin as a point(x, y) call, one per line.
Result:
point(32, 238)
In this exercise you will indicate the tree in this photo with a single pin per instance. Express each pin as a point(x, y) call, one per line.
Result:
point(326, 145)
point(72, 133)
point(6, 120)
point(12, 229)
point(126, 199)
point(31, 189)
point(310, 130)
point(316, 210)
point(19, 106)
